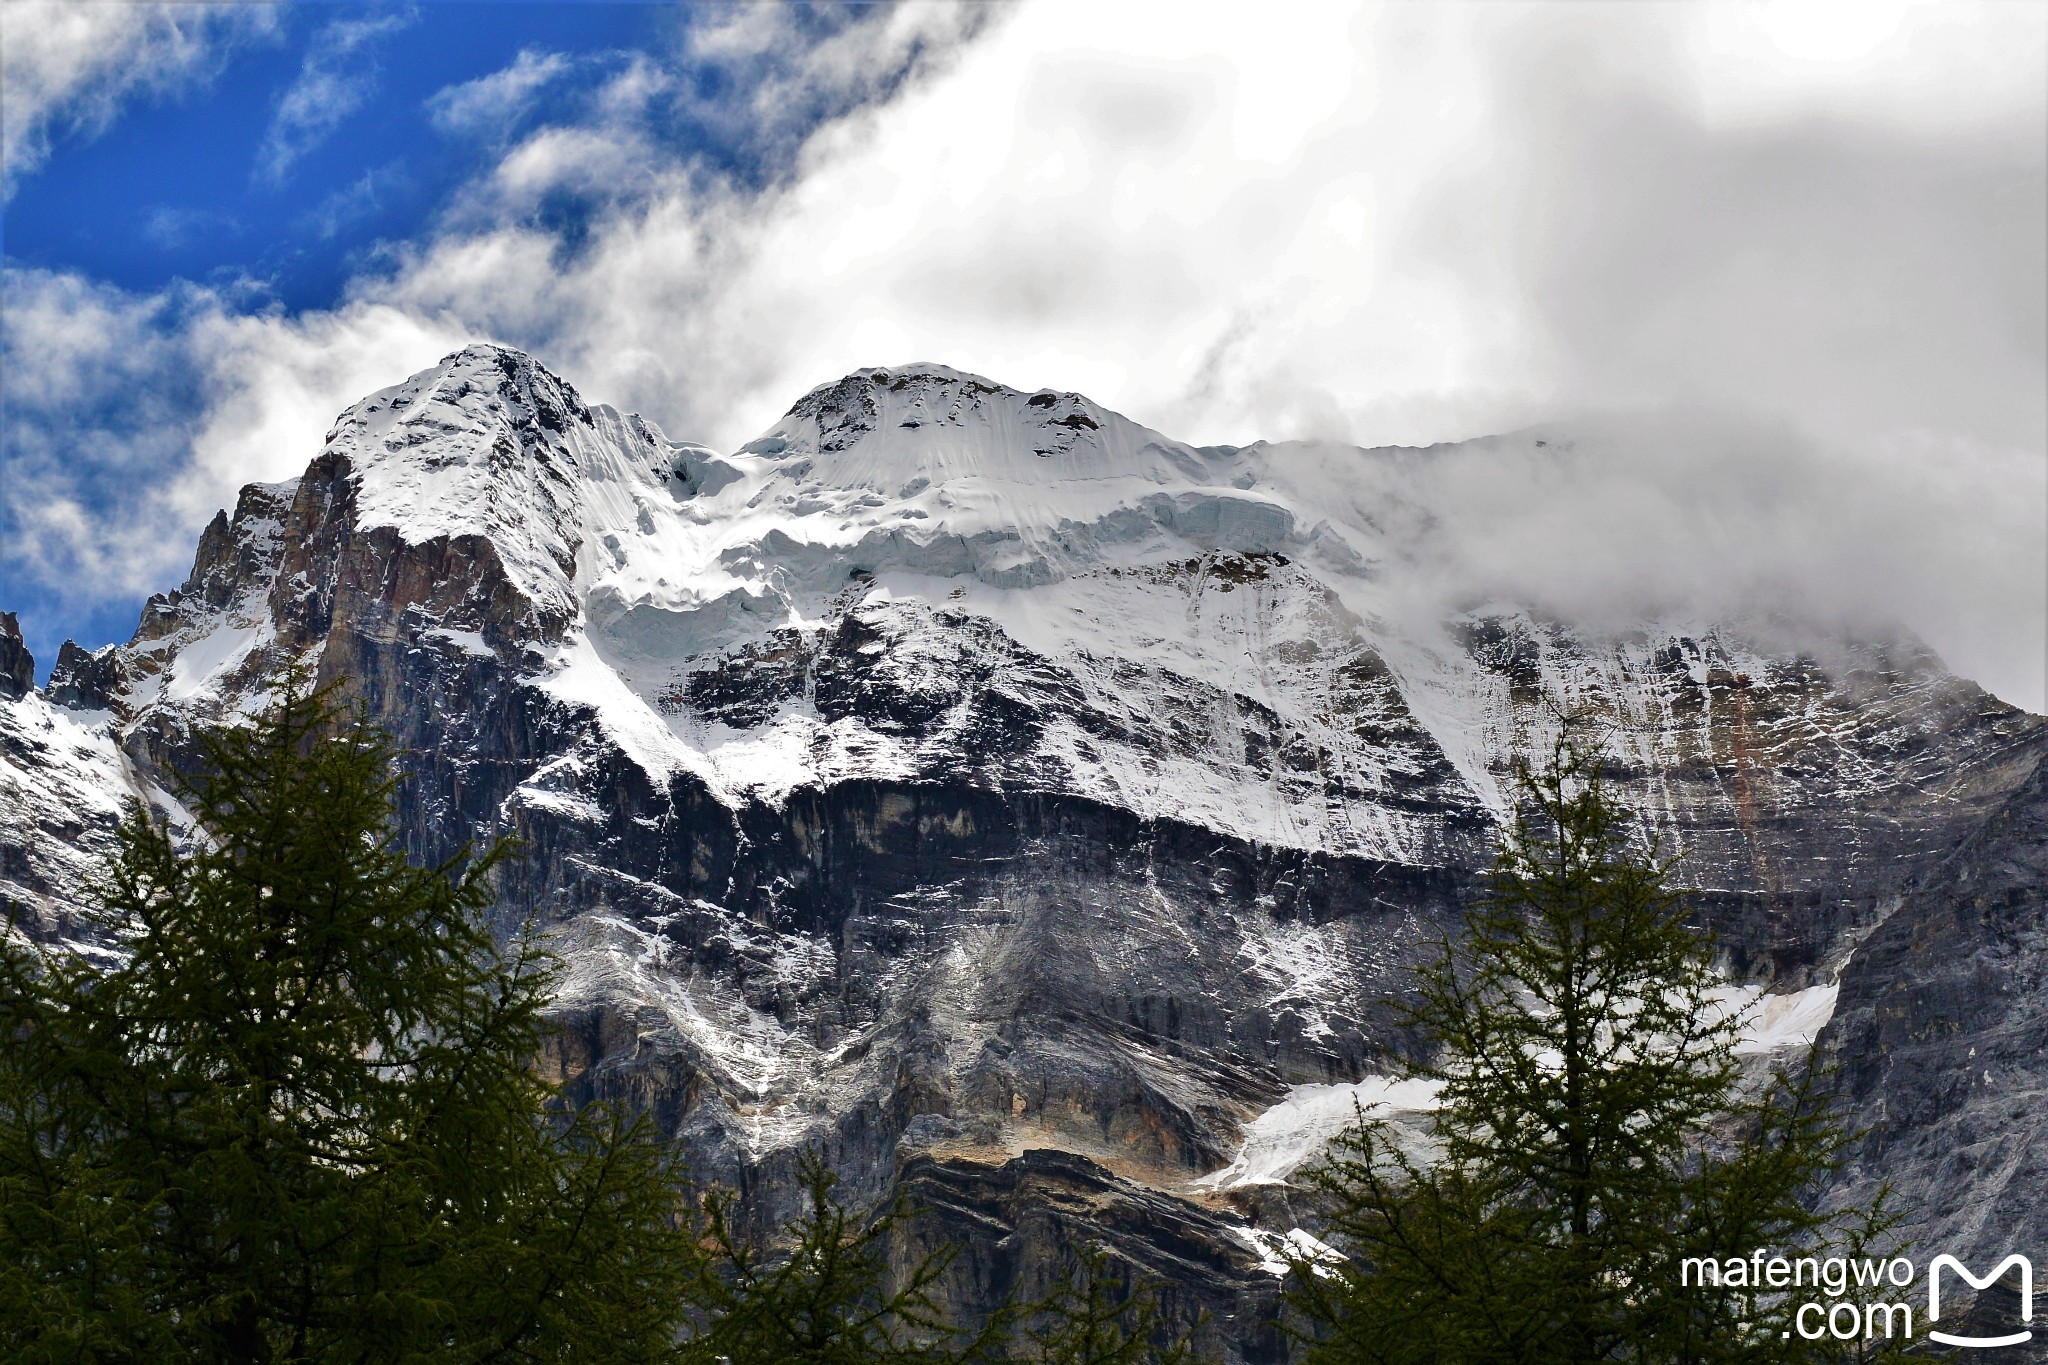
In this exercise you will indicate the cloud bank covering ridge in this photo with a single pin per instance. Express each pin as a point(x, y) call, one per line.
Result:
point(1783, 267)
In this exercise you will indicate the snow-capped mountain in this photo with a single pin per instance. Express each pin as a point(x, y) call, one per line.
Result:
point(1027, 807)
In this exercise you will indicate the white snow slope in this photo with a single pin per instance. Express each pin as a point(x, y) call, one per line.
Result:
point(1197, 602)
point(1090, 541)
point(1296, 1131)
point(1223, 632)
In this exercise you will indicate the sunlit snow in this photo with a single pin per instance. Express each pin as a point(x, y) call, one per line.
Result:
point(1297, 1130)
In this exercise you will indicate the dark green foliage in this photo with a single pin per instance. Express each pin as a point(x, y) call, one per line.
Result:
point(826, 1297)
point(1593, 1131)
point(1097, 1317)
point(300, 1121)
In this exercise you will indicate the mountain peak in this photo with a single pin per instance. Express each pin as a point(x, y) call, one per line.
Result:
point(885, 376)
point(490, 443)
point(483, 383)
point(886, 429)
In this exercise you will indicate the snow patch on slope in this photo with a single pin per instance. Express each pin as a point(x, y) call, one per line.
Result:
point(203, 662)
point(578, 676)
point(64, 786)
point(1779, 1022)
point(1308, 966)
point(1296, 1131)
point(626, 967)
point(1280, 1252)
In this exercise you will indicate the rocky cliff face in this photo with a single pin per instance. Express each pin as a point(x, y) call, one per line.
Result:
point(1941, 1029)
point(1027, 809)
point(17, 666)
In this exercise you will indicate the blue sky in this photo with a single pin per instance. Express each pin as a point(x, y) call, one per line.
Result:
point(294, 157)
point(343, 128)
point(1819, 222)
point(217, 184)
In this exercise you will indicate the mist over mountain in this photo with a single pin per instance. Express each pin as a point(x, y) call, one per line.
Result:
point(1032, 811)
point(1802, 243)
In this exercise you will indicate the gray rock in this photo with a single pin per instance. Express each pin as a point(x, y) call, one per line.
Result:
point(17, 665)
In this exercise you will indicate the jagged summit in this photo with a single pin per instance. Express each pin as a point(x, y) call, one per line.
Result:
point(879, 429)
point(920, 466)
point(836, 416)
point(17, 665)
point(491, 444)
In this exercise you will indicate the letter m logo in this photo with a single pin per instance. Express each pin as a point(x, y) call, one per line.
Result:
point(1942, 1263)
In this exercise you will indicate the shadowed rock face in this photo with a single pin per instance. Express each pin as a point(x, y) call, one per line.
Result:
point(17, 665)
point(1941, 1035)
point(1013, 803)
point(1027, 1218)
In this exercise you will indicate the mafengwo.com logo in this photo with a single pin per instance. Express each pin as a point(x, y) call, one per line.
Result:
point(1850, 1299)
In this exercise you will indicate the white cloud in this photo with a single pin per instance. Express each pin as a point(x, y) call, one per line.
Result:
point(1714, 516)
point(172, 228)
point(335, 79)
point(79, 506)
point(132, 418)
point(1364, 224)
point(69, 68)
point(797, 64)
point(1808, 258)
point(490, 104)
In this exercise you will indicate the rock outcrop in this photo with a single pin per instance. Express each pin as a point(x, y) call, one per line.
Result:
point(1941, 1033)
point(17, 665)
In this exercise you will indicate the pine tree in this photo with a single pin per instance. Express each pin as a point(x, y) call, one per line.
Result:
point(1097, 1317)
point(827, 1295)
point(1592, 1130)
point(298, 1119)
